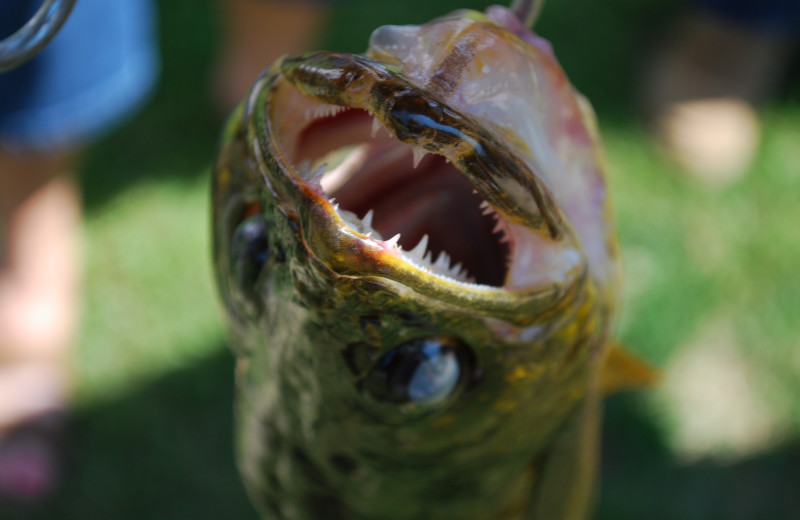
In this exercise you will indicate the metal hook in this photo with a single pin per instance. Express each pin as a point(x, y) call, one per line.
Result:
point(34, 35)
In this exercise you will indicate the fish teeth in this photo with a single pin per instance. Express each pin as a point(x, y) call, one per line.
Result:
point(421, 247)
point(376, 125)
point(393, 241)
point(419, 153)
point(487, 209)
point(316, 177)
point(333, 203)
point(442, 267)
point(498, 227)
point(501, 229)
point(367, 220)
point(322, 110)
point(428, 257)
point(443, 261)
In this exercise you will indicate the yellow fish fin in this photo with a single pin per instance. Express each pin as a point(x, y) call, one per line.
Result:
point(623, 371)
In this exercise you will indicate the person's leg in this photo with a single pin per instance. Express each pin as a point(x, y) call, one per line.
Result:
point(39, 301)
point(256, 32)
point(94, 73)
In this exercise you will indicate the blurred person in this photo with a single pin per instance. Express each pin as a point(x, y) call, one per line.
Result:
point(95, 71)
point(255, 33)
point(720, 60)
point(98, 69)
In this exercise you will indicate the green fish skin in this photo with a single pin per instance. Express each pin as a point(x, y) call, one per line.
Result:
point(430, 344)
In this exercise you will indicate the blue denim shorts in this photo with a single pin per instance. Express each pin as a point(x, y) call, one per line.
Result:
point(780, 18)
point(98, 69)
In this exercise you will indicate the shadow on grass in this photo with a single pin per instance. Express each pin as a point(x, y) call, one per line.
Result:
point(161, 452)
point(641, 479)
point(164, 452)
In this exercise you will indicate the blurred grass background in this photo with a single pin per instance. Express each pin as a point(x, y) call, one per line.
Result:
point(712, 294)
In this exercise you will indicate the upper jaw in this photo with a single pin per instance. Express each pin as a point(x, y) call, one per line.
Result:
point(544, 262)
point(417, 117)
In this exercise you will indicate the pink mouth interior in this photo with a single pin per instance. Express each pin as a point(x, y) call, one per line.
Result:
point(433, 198)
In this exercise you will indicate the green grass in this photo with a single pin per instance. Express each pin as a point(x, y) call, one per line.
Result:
point(707, 270)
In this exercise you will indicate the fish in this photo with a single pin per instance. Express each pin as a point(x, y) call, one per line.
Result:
point(415, 252)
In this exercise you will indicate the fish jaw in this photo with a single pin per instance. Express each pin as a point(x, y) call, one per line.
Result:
point(543, 262)
point(536, 332)
point(495, 103)
point(499, 72)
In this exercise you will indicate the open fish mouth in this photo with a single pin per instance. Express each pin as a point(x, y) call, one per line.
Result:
point(387, 179)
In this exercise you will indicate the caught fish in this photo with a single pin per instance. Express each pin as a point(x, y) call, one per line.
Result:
point(415, 251)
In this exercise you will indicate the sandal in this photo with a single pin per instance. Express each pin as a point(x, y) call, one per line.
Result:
point(31, 460)
point(32, 427)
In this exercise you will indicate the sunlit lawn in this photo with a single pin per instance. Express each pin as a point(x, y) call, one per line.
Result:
point(712, 297)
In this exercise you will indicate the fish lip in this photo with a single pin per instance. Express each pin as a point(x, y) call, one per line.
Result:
point(340, 248)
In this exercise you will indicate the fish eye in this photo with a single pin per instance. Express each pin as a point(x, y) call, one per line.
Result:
point(249, 251)
point(424, 371)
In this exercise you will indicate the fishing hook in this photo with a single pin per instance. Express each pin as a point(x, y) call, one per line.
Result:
point(527, 10)
point(34, 35)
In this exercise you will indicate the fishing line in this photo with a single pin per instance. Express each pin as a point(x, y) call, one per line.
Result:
point(527, 10)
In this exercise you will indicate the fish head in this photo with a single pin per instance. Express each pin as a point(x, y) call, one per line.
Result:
point(414, 247)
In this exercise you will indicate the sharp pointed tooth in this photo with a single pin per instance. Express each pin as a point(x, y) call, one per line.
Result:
point(419, 153)
point(367, 220)
point(421, 247)
point(376, 125)
point(487, 209)
point(427, 257)
point(443, 262)
point(394, 240)
point(498, 227)
point(316, 177)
